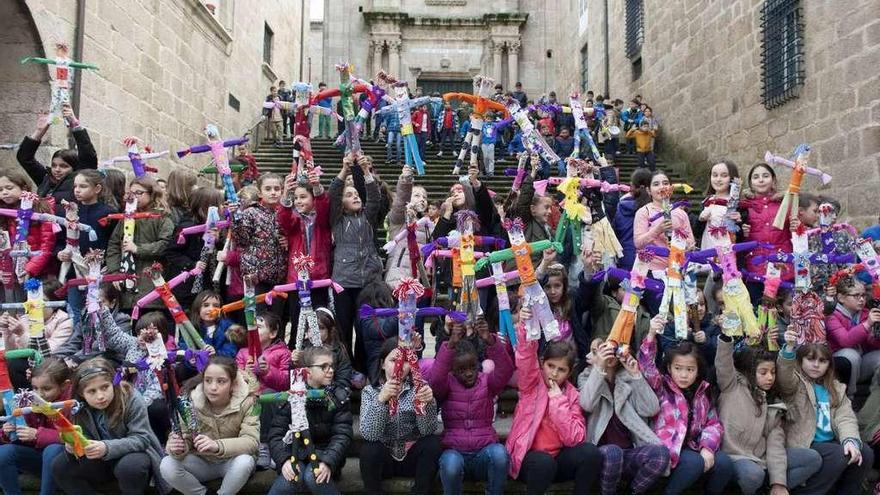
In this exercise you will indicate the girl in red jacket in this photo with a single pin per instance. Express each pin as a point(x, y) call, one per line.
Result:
point(853, 333)
point(306, 223)
point(40, 236)
point(760, 203)
point(548, 434)
point(38, 443)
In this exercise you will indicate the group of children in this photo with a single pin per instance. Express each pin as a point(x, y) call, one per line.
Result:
point(711, 407)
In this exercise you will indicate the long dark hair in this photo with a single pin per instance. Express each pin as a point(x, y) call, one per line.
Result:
point(100, 367)
point(757, 166)
point(746, 361)
point(815, 350)
point(686, 348)
point(732, 171)
point(378, 373)
point(640, 184)
point(561, 349)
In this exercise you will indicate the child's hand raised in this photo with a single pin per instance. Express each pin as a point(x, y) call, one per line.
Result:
point(631, 365)
point(296, 357)
point(791, 337)
point(658, 322)
point(525, 314)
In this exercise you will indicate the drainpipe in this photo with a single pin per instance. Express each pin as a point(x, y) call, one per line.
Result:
point(302, 30)
point(607, 56)
point(79, 39)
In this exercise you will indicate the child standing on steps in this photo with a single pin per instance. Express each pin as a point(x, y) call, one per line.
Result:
point(38, 442)
point(121, 447)
point(402, 445)
point(820, 417)
point(467, 398)
point(621, 405)
point(226, 441)
point(547, 441)
point(753, 416)
point(330, 426)
point(688, 424)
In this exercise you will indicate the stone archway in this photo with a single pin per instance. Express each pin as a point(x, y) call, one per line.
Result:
point(24, 88)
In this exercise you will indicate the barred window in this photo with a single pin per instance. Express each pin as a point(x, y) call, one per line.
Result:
point(635, 27)
point(585, 67)
point(782, 54)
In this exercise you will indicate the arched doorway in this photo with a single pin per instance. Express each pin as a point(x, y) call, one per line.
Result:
point(25, 88)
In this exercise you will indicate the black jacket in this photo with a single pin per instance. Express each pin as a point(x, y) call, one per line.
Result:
point(46, 186)
point(178, 258)
point(330, 425)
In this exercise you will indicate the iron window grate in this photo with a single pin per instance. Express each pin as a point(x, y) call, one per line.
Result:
point(635, 27)
point(782, 51)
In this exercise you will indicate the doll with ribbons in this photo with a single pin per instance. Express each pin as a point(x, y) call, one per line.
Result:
point(24, 215)
point(531, 138)
point(129, 218)
point(582, 127)
point(136, 158)
point(799, 168)
point(413, 249)
point(63, 80)
point(481, 103)
point(307, 325)
point(634, 284)
point(402, 105)
point(407, 293)
point(183, 326)
point(673, 294)
point(767, 314)
point(533, 296)
point(469, 301)
point(34, 307)
point(7, 394)
point(217, 147)
point(500, 279)
point(209, 231)
point(73, 229)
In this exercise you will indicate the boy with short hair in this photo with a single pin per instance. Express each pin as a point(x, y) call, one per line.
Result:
point(643, 136)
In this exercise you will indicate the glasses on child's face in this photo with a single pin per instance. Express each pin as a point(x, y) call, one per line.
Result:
point(323, 367)
point(858, 295)
point(138, 193)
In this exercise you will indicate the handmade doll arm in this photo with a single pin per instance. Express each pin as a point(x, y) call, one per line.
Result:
point(199, 229)
point(200, 148)
point(498, 107)
point(490, 281)
point(466, 97)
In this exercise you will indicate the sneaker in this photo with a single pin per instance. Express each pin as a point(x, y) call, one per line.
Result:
point(264, 460)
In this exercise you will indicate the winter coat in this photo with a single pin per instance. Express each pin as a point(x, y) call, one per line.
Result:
point(277, 377)
point(151, 235)
point(218, 340)
point(263, 247)
point(633, 401)
point(131, 435)
point(798, 393)
point(397, 433)
point(671, 424)
point(468, 412)
point(398, 265)
point(604, 310)
point(183, 257)
point(330, 426)
point(321, 242)
point(41, 237)
point(751, 431)
point(869, 414)
point(123, 343)
point(89, 215)
point(375, 331)
point(761, 211)
point(47, 433)
point(46, 185)
point(236, 429)
point(624, 219)
point(73, 347)
point(643, 236)
point(355, 260)
point(534, 403)
point(843, 334)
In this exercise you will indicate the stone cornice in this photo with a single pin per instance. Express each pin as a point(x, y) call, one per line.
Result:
point(402, 18)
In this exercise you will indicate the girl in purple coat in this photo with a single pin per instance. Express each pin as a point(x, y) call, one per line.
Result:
point(467, 400)
point(688, 423)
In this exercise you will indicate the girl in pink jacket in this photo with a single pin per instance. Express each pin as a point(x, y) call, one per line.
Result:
point(688, 423)
point(272, 368)
point(547, 441)
point(853, 332)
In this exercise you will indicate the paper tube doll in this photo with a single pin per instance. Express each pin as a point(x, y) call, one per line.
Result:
point(531, 138)
point(6, 392)
point(136, 158)
point(533, 296)
point(183, 326)
point(63, 80)
point(217, 147)
point(401, 103)
point(500, 279)
point(582, 128)
point(33, 307)
point(209, 231)
point(481, 104)
point(634, 286)
point(129, 219)
point(674, 292)
point(789, 206)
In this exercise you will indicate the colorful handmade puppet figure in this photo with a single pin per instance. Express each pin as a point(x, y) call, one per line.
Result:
point(63, 80)
point(634, 286)
point(789, 206)
point(6, 392)
point(210, 232)
point(136, 158)
point(531, 138)
point(217, 147)
point(481, 104)
point(183, 326)
point(582, 127)
point(129, 218)
point(674, 280)
point(400, 102)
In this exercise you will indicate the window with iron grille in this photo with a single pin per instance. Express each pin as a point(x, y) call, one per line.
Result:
point(635, 27)
point(585, 68)
point(782, 53)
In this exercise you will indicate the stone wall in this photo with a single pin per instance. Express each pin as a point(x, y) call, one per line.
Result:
point(168, 67)
point(702, 75)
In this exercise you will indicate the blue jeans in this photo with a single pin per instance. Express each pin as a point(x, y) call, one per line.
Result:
point(76, 301)
point(283, 487)
point(488, 464)
point(690, 469)
point(16, 458)
point(392, 137)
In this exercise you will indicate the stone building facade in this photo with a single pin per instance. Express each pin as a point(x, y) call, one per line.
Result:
point(167, 67)
point(442, 44)
point(700, 68)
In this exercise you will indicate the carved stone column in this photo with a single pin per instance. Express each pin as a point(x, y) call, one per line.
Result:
point(394, 57)
point(378, 46)
point(497, 49)
point(512, 64)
